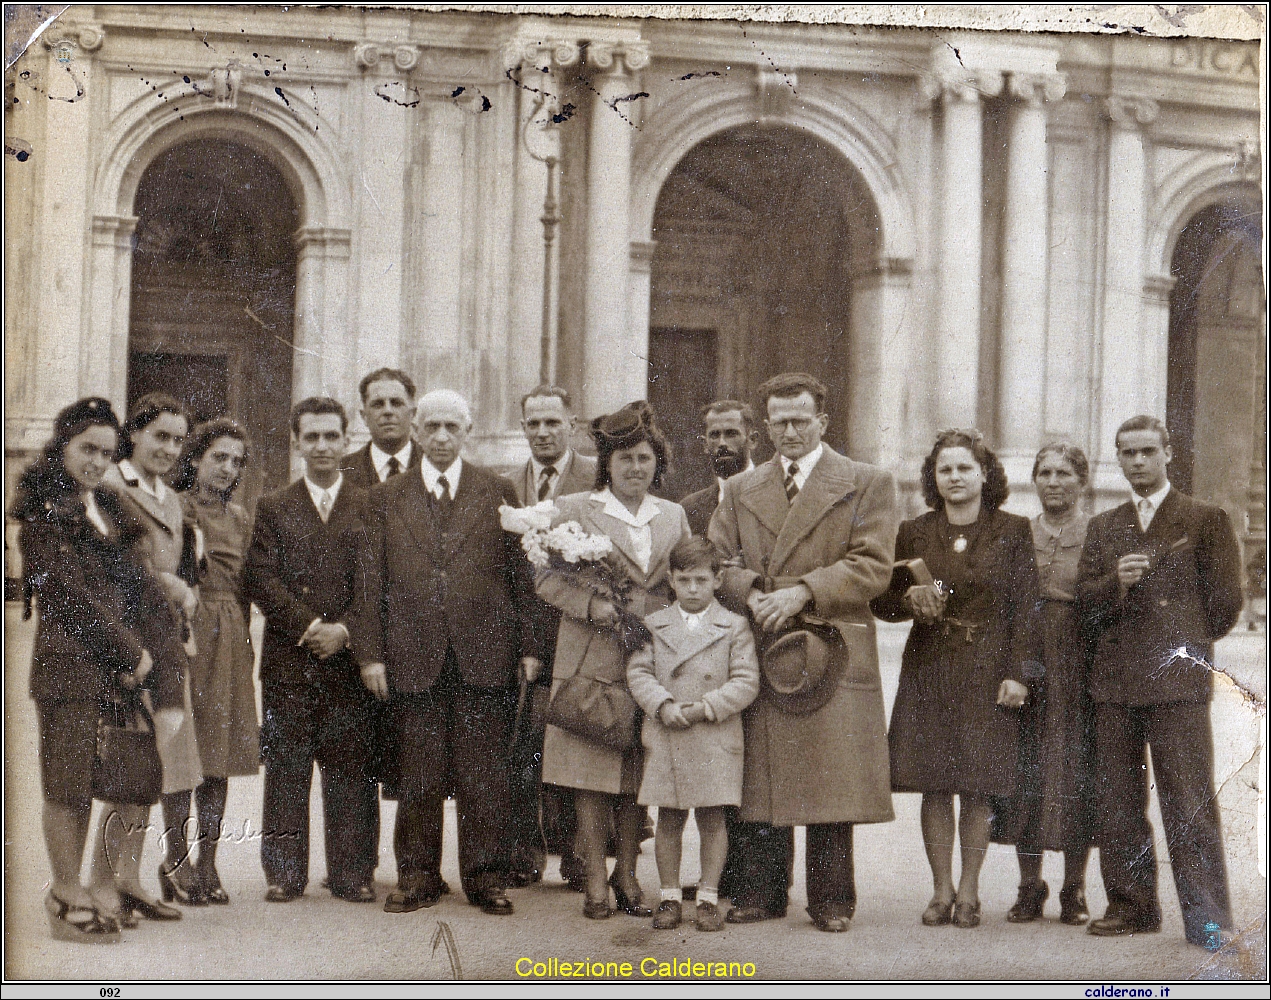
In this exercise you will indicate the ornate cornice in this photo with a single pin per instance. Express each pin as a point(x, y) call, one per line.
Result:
point(1131, 113)
point(369, 55)
point(634, 55)
point(541, 52)
point(964, 87)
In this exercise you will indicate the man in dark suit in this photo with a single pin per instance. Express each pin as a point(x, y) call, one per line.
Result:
point(554, 469)
point(300, 571)
point(440, 623)
point(388, 408)
point(728, 438)
point(1159, 582)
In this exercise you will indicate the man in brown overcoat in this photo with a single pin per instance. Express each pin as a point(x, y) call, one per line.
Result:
point(815, 532)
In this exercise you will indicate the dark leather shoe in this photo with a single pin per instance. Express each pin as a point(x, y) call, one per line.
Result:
point(1029, 903)
point(409, 900)
point(150, 909)
point(751, 915)
point(631, 905)
point(1072, 907)
point(573, 873)
point(937, 914)
point(966, 915)
point(669, 916)
point(494, 901)
point(520, 879)
point(181, 885)
point(210, 882)
point(829, 921)
point(1116, 924)
point(354, 893)
point(597, 909)
point(281, 894)
point(708, 917)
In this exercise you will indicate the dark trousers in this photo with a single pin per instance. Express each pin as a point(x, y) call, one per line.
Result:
point(527, 846)
point(1183, 765)
point(312, 722)
point(763, 867)
point(452, 737)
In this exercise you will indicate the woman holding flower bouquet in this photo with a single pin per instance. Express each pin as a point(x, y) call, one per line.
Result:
point(602, 601)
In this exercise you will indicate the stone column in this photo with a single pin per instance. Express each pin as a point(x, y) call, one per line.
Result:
point(1123, 371)
point(323, 356)
point(879, 350)
point(1022, 368)
point(1154, 336)
point(960, 186)
point(104, 366)
point(613, 372)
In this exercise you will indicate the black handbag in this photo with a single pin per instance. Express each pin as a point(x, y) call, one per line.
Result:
point(127, 769)
point(596, 710)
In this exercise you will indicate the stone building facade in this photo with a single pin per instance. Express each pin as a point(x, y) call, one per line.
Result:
point(1039, 235)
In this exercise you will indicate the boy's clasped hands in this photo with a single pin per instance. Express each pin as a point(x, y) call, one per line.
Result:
point(681, 715)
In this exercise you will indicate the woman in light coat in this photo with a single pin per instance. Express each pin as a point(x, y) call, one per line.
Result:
point(632, 457)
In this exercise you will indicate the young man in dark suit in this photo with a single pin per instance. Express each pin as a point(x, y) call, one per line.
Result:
point(388, 407)
point(1159, 583)
point(438, 629)
point(729, 436)
point(543, 821)
point(300, 572)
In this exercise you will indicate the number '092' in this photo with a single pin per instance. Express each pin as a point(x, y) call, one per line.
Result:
point(110, 991)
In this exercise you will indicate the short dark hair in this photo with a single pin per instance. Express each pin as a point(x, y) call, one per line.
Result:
point(46, 479)
point(385, 375)
point(318, 405)
point(995, 490)
point(144, 412)
point(791, 384)
point(197, 444)
point(624, 429)
point(548, 390)
point(694, 551)
point(731, 406)
point(1070, 453)
point(1142, 423)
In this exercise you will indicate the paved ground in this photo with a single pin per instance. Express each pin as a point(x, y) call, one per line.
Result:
point(322, 938)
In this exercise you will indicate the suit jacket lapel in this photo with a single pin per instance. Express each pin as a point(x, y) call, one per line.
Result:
point(522, 485)
point(684, 642)
point(413, 511)
point(666, 533)
point(1169, 523)
point(828, 483)
point(765, 496)
point(464, 511)
point(616, 531)
point(152, 507)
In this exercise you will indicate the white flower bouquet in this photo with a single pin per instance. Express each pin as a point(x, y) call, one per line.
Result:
point(568, 549)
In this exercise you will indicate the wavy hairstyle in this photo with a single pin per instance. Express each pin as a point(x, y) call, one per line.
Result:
point(995, 489)
point(196, 446)
point(1069, 453)
point(146, 411)
point(46, 481)
point(624, 429)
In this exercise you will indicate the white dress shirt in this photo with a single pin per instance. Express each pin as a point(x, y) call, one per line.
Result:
point(130, 474)
point(380, 459)
point(1148, 506)
point(431, 477)
point(637, 523)
point(806, 464)
point(317, 494)
point(693, 620)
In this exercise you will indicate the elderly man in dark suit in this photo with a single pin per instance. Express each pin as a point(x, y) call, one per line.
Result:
point(554, 469)
point(729, 436)
point(440, 623)
point(815, 533)
point(1159, 582)
point(388, 408)
point(300, 571)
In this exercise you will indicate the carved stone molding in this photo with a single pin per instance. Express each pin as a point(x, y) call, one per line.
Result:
point(114, 230)
point(642, 255)
point(369, 55)
point(539, 52)
point(221, 85)
point(1131, 112)
point(62, 39)
point(1248, 155)
point(966, 87)
point(1035, 88)
point(774, 91)
point(634, 56)
point(322, 241)
point(1157, 287)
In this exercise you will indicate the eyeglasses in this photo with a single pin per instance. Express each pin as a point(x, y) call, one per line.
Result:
point(798, 424)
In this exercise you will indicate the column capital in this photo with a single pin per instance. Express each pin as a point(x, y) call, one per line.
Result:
point(960, 86)
point(369, 55)
point(1130, 113)
point(61, 39)
point(113, 230)
point(1036, 88)
point(322, 241)
point(541, 52)
point(630, 56)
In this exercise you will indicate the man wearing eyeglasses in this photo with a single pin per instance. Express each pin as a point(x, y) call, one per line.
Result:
point(810, 533)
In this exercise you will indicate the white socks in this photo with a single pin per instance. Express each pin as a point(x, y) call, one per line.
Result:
point(705, 895)
point(676, 894)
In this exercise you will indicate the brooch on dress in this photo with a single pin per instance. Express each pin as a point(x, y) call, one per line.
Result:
point(959, 544)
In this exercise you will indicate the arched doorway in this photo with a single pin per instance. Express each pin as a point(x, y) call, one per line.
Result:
point(1215, 408)
point(760, 232)
point(213, 293)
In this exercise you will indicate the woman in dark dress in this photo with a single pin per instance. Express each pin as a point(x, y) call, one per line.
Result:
point(103, 633)
point(1054, 809)
point(221, 687)
point(955, 723)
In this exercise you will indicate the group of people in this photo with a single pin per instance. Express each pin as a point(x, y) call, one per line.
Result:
point(410, 648)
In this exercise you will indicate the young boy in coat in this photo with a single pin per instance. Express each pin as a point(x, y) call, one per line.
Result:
point(692, 681)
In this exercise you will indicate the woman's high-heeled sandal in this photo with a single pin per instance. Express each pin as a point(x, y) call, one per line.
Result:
point(81, 924)
point(627, 904)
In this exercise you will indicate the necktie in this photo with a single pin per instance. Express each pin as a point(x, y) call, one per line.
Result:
point(443, 484)
point(792, 488)
point(545, 481)
point(324, 506)
point(394, 467)
point(1145, 513)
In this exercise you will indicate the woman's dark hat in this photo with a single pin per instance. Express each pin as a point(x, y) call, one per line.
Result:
point(624, 428)
point(802, 668)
